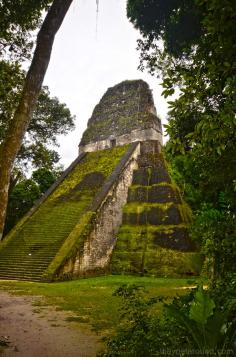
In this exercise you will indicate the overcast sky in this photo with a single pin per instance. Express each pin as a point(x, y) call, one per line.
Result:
point(85, 63)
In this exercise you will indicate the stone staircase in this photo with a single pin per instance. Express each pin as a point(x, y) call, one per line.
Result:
point(27, 251)
point(30, 252)
point(153, 238)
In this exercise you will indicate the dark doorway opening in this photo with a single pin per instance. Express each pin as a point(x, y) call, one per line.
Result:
point(113, 143)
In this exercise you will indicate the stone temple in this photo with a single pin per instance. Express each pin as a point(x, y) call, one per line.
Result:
point(114, 210)
point(125, 114)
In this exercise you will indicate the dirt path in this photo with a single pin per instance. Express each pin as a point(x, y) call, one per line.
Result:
point(44, 334)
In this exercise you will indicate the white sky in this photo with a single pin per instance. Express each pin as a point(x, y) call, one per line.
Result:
point(84, 64)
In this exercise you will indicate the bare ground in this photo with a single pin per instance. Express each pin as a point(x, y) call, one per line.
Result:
point(43, 332)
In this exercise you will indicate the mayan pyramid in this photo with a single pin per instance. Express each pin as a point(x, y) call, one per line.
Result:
point(114, 210)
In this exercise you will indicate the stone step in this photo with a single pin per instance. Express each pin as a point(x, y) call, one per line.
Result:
point(14, 271)
point(23, 263)
point(26, 261)
point(26, 269)
point(6, 277)
point(25, 255)
point(172, 237)
point(25, 276)
point(22, 273)
point(153, 216)
point(150, 159)
point(155, 194)
point(150, 176)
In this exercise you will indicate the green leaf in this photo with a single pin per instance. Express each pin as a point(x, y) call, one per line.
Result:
point(190, 325)
point(202, 307)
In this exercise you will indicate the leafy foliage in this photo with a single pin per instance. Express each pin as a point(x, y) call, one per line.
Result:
point(44, 178)
point(203, 115)
point(25, 193)
point(141, 333)
point(216, 227)
point(176, 22)
point(50, 119)
point(206, 325)
point(21, 200)
point(202, 307)
point(196, 323)
point(17, 21)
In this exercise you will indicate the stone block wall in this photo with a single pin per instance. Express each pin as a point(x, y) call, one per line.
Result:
point(125, 114)
point(133, 136)
point(96, 252)
point(153, 237)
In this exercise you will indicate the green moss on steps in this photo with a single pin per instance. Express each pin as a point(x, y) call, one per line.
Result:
point(34, 243)
point(139, 207)
point(152, 229)
point(159, 262)
point(71, 246)
point(153, 238)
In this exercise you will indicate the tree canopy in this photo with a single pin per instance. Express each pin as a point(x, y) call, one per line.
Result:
point(18, 20)
point(176, 22)
point(26, 192)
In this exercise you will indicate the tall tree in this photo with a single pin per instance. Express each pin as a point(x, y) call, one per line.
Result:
point(33, 82)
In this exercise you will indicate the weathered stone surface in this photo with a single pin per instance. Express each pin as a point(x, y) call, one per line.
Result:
point(141, 177)
point(35, 243)
point(150, 159)
point(162, 194)
point(155, 193)
point(150, 147)
point(126, 113)
point(92, 182)
point(137, 194)
point(150, 176)
point(153, 238)
point(98, 247)
point(177, 238)
point(154, 216)
point(159, 175)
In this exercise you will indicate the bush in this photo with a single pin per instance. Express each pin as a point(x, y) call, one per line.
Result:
point(190, 324)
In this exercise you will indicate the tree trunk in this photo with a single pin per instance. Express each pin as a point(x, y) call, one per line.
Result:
point(33, 82)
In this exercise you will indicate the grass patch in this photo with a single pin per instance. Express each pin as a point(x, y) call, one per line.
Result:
point(81, 319)
point(91, 299)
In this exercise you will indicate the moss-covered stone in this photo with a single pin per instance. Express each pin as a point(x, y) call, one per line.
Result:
point(159, 262)
point(138, 251)
point(153, 215)
point(41, 239)
point(71, 246)
point(125, 107)
point(156, 193)
point(150, 176)
point(153, 238)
